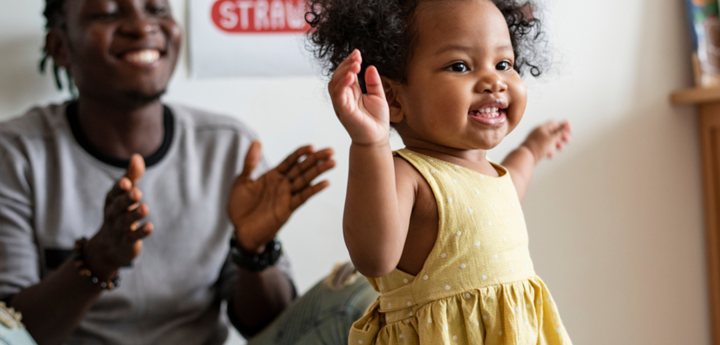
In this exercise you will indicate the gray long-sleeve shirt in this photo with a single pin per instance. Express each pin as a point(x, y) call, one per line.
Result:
point(52, 191)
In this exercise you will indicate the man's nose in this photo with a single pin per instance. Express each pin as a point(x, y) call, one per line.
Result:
point(139, 25)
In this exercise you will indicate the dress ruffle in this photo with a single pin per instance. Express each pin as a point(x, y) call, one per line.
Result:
point(521, 312)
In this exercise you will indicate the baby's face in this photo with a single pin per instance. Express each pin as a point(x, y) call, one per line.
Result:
point(462, 91)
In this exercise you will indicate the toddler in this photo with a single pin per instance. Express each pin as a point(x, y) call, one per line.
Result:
point(436, 227)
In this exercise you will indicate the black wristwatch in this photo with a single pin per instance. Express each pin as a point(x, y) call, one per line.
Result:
point(258, 262)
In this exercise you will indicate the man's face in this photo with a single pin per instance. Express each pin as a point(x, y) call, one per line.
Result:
point(126, 48)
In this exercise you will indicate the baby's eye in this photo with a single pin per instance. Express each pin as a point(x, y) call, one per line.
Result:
point(458, 67)
point(504, 66)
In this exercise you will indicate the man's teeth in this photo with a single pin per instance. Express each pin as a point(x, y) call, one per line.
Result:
point(143, 56)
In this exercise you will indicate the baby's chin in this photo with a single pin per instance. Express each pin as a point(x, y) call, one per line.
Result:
point(491, 139)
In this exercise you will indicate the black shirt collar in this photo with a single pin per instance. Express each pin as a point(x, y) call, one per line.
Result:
point(168, 124)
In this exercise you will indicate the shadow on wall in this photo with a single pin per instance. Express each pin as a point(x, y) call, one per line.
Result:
point(21, 84)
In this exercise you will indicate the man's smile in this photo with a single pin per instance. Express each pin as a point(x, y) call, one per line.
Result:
point(143, 58)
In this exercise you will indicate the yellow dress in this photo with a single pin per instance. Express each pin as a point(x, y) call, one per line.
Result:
point(478, 285)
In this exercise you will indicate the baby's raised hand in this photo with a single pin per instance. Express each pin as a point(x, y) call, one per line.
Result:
point(545, 139)
point(365, 117)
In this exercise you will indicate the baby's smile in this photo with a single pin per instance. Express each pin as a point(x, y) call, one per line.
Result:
point(492, 113)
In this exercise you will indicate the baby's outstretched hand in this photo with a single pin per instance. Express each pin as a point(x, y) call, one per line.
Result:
point(545, 139)
point(365, 117)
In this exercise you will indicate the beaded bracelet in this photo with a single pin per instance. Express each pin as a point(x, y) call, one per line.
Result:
point(84, 271)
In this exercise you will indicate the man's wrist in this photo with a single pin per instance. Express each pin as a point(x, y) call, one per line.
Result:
point(259, 261)
point(100, 278)
point(241, 242)
point(100, 267)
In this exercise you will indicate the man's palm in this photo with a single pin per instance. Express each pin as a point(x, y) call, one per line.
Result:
point(259, 208)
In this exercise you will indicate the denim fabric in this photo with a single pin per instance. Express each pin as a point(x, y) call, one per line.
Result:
point(14, 336)
point(320, 317)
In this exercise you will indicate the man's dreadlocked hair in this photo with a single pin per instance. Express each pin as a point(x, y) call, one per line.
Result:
point(54, 18)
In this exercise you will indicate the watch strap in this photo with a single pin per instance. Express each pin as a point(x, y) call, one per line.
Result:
point(257, 262)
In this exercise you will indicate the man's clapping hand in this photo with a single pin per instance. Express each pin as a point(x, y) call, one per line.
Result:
point(119, 240)
point(259, 208)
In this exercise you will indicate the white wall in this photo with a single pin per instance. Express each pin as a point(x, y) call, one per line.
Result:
point(616, 220)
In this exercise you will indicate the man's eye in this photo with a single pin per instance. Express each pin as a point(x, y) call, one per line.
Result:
point(458, 67)
point(106, 15)
point(504, 66)
point(159, 11)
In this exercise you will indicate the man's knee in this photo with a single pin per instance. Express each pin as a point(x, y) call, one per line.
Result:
point(324, 314)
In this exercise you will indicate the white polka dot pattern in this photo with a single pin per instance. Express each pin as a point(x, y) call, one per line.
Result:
point(479, 245)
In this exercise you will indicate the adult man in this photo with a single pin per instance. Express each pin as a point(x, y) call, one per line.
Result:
point(57, 164)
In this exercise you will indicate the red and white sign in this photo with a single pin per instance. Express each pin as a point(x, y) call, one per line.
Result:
point(260, 16)
point(249, 38)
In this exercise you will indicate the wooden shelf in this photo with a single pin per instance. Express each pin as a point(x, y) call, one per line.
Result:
point(708, 105)
point(696, 96)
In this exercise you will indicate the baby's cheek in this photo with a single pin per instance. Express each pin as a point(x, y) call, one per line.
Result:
point(518, 95)
point(514, 115)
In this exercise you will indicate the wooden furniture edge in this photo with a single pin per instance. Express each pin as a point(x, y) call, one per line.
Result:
point(709, 128)
point(695, 96)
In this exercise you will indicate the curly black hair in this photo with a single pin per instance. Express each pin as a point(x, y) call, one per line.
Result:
point(54, 19)
point(383, 31)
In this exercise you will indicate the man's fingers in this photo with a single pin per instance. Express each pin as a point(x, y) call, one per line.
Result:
point(143, 231)
point(129, 219)
point(252, 159)
point(310, 174)
point(122, 203)
point(121, 187)
point(307, 193)
point(309, 162)
point(293, 158)
point(136, 169)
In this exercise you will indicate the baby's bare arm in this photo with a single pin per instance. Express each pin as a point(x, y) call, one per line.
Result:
point(542, 142)
point(372, 226)
point(377, 209)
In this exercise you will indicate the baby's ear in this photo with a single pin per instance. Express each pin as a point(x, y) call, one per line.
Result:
point(392, 90)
